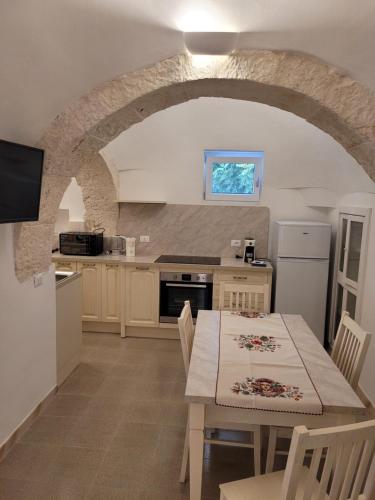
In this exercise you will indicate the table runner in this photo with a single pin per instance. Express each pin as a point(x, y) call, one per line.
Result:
point(260, 368)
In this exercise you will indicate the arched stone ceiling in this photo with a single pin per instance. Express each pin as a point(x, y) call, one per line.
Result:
point(294, 82)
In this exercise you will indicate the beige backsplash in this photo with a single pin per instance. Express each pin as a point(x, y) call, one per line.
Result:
point(194, 229)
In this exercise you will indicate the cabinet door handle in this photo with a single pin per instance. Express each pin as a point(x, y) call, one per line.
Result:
point(142, 268)
point(240, 277)
point(111, 265)
point(85, 264)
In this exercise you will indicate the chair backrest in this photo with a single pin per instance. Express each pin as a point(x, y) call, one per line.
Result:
point(346, 470)
point(186, 329)
point(243, 297)
point(350, 348)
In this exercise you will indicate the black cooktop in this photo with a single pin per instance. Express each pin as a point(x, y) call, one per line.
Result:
point(188, 259)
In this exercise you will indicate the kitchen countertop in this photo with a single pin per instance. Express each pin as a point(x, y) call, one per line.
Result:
point(226, 262)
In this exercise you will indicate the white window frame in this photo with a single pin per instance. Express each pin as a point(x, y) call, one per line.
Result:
point(228, 156)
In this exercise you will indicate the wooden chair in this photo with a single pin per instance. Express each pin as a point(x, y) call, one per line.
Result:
point(243, 297)
point(346, 470)
point(349, 352)
point(186, 329)
point(350, 349)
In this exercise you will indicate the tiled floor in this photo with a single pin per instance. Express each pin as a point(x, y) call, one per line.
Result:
point(115, 431)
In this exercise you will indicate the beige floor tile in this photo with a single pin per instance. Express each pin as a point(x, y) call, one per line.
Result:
point(49, 430)
point(135, 435)
point(146, 412)
point(103, 493)
point(92, 433)
point(103, 407)
point(126, 470)
point(93, 369)
point(13, 489)
point(75, 466)
point(86, 385)
point(28, 462)
point(61, 488)
point(116, 430)
point(67, 405)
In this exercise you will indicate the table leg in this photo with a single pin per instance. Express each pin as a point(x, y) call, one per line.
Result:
point(196, 436)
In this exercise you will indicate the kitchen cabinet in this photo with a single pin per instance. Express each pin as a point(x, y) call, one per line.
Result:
point(91, 290)
point(250, 277)
point(350, 265)
point(62, 265)
point(111, 293)
point(142, 296)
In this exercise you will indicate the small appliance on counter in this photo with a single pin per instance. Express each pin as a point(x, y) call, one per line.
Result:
point(119, 245)
point(130, 247)
point(84, 243)
point(249, 250)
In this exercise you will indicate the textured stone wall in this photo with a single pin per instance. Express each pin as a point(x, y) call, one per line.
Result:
point(294, 82)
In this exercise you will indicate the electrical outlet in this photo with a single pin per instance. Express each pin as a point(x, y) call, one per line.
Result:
point(38, 280)
point(235, 243)
point(144, 238)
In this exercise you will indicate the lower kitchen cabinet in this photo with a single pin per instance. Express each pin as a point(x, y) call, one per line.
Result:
point(91, 290)
point(62, 265)
point(250, 277)
point(142, 296)
point(111, 293)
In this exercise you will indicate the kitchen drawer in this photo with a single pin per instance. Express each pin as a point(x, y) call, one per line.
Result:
point(255, 278)
point(62, 265)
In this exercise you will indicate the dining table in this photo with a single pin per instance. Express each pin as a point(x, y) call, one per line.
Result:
point(338, 402)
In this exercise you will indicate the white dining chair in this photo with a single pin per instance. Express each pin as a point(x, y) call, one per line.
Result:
point(186, 330)
point(244, 297)
point(348, 353)
point(342, 467)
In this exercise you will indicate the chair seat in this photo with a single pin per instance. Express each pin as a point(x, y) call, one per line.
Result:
point(264, 487)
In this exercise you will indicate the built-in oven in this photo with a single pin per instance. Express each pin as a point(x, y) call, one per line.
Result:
point(176, 287)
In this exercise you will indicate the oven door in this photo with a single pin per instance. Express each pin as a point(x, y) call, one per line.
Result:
point(173, 295)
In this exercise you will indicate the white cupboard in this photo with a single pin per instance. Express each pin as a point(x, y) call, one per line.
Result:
point(111, 293)
point(91, 290)
point(142, 296)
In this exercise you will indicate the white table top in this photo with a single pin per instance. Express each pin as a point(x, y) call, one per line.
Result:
point(335, 393)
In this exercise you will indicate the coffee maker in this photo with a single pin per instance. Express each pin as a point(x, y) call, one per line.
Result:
point(249, 250)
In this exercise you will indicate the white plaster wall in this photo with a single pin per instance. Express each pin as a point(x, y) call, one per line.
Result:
point(27, 340)
point(73, 201)
point(360, 199)
point(297, 154)
point(54, 51)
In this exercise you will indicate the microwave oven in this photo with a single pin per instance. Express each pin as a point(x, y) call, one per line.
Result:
point(73, 243)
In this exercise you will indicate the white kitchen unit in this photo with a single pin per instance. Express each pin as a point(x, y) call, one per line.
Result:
point(350, 265)
point(68, 325)
point(111, 293)
point(300, 253)
point(122, 294)
point(91, 290)
point(142, 296)
point(258, 276)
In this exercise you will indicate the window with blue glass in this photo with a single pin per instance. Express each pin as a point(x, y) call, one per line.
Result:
point(233, 175)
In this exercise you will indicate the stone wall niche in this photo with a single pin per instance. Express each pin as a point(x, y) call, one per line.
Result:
point(291, 81)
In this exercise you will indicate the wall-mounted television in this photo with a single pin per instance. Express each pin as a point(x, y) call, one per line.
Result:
point(21, 169)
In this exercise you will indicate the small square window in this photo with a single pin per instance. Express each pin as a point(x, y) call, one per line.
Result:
point(233, 175)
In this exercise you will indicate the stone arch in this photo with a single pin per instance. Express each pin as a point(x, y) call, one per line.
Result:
point(294, 82)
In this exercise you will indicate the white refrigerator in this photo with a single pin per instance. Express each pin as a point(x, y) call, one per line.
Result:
point(300, 256)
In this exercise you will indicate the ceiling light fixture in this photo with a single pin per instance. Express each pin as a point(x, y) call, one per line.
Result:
point(215, 43)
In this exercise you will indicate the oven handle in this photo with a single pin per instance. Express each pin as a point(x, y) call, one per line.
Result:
point(185, 285)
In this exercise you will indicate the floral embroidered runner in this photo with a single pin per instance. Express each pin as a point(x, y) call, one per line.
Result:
point(260, 367)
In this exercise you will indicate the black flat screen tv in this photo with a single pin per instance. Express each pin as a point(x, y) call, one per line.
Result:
point(21, 169)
